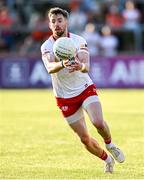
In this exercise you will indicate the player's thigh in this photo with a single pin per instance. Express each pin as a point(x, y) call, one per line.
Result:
point(77, 123)
point(94, 111)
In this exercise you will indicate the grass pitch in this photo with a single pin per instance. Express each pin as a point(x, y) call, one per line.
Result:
point(36, 143)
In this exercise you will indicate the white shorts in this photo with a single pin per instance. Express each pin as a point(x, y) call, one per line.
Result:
point(79, 114)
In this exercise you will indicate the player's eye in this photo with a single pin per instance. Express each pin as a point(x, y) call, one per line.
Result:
point(53, 21)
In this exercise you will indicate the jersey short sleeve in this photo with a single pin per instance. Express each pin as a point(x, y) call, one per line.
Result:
point(82, 45)
point(47, 47)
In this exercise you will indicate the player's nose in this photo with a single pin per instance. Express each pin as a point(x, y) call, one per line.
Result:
point(56, 23)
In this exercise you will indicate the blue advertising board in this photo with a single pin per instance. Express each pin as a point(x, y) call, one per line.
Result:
point(23, 73)
point(115, 72)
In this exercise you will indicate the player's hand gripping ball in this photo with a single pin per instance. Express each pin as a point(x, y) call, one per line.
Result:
point(64, 48)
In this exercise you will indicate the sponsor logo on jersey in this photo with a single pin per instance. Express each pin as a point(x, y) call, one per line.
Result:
point(86, 85)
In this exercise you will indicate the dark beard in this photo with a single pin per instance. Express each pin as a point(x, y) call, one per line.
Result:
point(59, 34)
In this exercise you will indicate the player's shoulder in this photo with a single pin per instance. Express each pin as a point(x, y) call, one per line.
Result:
point(47, 45)
point(76, 37)
point(80, 42)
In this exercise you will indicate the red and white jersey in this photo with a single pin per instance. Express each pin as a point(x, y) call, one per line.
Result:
point(65, 84)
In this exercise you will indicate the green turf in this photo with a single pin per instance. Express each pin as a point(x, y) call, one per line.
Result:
point(36, 143)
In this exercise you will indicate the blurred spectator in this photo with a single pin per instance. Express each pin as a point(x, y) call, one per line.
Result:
point(87, 5)
point(108, 42)
point(92, 9)
point(6, 25)
point(6, 21)
point(131, 16)
point(20, 19)
point(30, 46)
point(37, 21)
point(10, 4)
point(73, 4)
point(114, 18)
point(39, 26)
point(24, 9)
point(132, 22)
point(77, 20)
point(93, 38)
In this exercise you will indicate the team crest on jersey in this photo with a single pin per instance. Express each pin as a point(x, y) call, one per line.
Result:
point(64, 108)
point(94, 89)
point(84, 47)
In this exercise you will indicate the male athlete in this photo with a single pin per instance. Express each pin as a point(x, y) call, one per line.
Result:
point(75, 91)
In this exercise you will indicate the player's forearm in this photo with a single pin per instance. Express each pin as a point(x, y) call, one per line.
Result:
point(54, 67)
point(51, 65)
point(84, 59)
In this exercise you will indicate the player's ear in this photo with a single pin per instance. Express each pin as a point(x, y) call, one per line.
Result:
point(49, 24)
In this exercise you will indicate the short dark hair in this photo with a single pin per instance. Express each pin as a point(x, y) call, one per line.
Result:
point(57, 10)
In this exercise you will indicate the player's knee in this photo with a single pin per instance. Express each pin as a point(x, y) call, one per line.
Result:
point(85, 139)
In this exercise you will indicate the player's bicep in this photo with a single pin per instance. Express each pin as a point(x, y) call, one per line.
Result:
point(82, 52)
point(83, 56)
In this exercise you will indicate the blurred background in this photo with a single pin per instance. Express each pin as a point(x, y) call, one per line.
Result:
point(113, 29)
